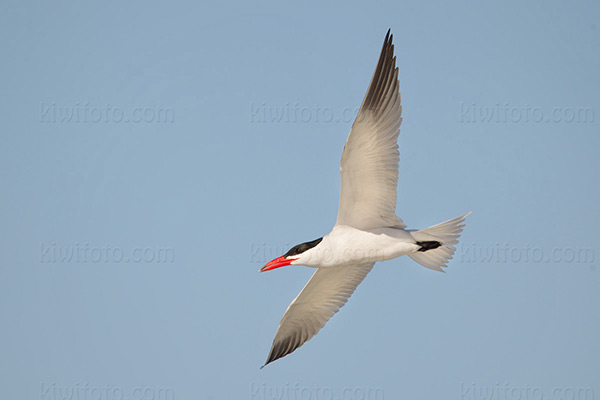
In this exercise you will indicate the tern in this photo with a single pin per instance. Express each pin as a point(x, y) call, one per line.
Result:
point(367, 229)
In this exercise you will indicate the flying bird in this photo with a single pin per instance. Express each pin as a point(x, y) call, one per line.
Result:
point(367, 229)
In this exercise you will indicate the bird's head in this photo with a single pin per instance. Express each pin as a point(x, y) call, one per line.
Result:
point(300, 254)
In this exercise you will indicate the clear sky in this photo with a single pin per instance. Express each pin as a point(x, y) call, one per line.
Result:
point(156, 154)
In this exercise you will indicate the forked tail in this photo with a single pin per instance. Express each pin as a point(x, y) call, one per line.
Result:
point(437, 243)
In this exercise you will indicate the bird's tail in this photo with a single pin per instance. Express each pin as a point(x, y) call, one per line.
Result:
point(437, 243)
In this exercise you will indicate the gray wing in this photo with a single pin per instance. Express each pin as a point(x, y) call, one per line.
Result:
point(324, 294)
point(369, 165)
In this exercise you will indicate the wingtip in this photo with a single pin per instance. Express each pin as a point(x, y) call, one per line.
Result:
point(268, 361)
point(388, 37)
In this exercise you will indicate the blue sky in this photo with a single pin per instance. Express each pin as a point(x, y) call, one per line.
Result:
point(156, 155)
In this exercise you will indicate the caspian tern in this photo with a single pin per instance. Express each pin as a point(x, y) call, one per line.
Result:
point(367, 229)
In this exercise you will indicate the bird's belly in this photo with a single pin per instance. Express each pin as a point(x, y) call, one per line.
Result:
point(353, 246)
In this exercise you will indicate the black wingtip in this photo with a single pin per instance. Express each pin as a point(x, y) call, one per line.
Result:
point(269, 360)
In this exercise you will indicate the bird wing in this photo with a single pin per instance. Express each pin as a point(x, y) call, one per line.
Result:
point(324, 294)
point(369, 166)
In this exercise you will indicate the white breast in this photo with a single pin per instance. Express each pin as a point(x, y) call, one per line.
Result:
point(346, 245)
